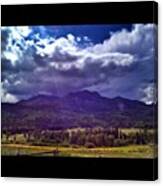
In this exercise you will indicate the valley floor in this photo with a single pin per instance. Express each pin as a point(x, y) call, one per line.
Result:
point(131, 151)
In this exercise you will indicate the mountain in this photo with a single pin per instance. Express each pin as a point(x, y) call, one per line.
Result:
point(40, 100)
point(78, 109)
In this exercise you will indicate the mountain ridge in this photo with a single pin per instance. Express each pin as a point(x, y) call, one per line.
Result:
point(81, 109)
point(78, 93)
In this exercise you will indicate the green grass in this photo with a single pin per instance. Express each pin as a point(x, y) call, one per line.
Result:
point(132, 151)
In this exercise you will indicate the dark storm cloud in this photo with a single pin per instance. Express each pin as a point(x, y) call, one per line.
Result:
point(36, 61)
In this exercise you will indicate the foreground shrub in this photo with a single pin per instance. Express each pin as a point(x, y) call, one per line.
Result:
point(90, 145)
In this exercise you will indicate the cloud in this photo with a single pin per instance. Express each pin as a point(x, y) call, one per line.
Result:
point(14, 41)
point(139, 41)
point(7, 97)
point(148, 94)
point(34, 61)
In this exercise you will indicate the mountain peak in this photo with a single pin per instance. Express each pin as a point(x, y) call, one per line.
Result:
point(85, 94)
point(119, 98)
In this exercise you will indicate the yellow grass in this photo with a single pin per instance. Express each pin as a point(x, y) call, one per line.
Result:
point(132, 151)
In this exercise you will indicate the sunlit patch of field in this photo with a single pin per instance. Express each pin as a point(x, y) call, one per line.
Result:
point(136, 130)
point(131, 151)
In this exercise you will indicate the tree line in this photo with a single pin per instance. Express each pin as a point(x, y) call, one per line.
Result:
point(88, 137)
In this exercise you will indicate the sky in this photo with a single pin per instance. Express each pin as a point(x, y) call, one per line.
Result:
point(113, 60)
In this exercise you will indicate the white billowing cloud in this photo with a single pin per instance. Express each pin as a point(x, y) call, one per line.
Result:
point(13, 57)
point(78, 39)
point(116, 58)
point(138, 44)
point(58, 49)
point(140, 40)
point(23, 31)
point(43, 47)
point(148, 94)
point(50, 64)
point(63, 49)
point(102, 61)
point(17, 32)
point(71, 38)
point(15, 43)
point(7, 97)
point(64, 53)
point(86, 38)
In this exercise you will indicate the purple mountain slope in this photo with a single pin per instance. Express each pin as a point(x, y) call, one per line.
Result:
point(78, 109)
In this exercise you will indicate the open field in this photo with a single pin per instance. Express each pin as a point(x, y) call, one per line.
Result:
point(132, 151)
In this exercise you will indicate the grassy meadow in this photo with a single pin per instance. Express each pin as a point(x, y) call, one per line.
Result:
point(132, 151)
